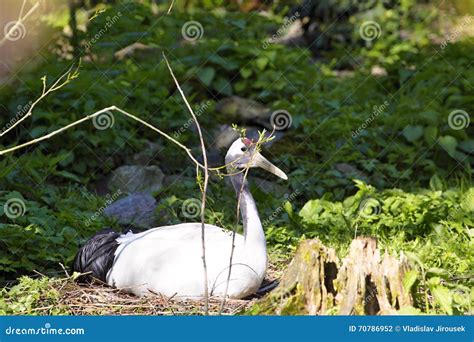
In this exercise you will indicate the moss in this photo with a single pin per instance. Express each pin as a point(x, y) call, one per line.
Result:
point(295, 304)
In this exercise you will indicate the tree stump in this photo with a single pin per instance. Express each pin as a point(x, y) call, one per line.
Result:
point(307, 285)
point(366, 284)
point(317, 283)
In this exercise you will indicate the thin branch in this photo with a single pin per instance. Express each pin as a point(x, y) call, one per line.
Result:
point(56, 85)
point(143, 122)
point(204, 188)
point(91, 116)
point(171, 7)
point(62, 129)
point(19, 22)
point(22, 9)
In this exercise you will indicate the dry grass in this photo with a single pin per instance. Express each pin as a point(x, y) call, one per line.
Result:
point(98, 298)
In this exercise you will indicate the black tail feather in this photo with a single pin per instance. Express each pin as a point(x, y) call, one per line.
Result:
point(96, 256)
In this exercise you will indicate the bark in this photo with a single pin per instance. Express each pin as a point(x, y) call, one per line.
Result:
point(318, 283)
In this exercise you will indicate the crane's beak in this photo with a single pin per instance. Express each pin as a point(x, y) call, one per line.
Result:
point(260, 161)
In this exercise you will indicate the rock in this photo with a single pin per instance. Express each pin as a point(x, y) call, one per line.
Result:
point(215, 158)
point(135, 209)
point(138, 51)
point(137, 178)
point(148, 155)
point(317, 283)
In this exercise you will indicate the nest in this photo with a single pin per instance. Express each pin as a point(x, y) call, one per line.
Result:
point(98, 298)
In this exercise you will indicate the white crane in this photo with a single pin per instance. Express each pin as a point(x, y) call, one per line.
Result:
point(168, 259)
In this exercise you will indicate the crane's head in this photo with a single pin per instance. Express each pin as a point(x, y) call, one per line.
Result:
point(244, 154)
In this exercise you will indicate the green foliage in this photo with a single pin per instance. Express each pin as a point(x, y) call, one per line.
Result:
point(434, 229)
point(54, 223)
point(30, 294)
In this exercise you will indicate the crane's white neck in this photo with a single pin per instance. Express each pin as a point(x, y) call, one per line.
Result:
point(253, 231)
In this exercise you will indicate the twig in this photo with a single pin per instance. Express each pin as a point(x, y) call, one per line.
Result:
point(19, 22)
point(186, 149)
point(56, 85)
point(204, 188)
point(64, 269)
point(62, 129)
point(93, 115)
point(171, 7)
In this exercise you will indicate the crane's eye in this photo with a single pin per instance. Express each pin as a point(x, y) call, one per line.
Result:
point(244, 149)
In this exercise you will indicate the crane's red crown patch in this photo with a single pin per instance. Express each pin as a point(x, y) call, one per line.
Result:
point(247, 141)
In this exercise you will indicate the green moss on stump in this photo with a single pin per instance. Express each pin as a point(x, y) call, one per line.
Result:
point(317, 283)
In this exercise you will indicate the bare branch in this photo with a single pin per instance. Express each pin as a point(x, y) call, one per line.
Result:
point(62, 129)
point(19, 22)
point(56, 85)
point(171, 7)
point(91, 116)
point(143, 122)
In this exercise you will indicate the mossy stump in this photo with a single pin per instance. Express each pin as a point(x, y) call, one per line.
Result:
point(318, 283)
point(368, 284)
point(306, 287)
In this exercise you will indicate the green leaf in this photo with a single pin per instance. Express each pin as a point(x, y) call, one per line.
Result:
point(413, 257)
point(438, 272)
point(206, 75)
point(67, 175)
point(288, 208)
point(245, 72)
point(223, 86)
point(413, 133)
point(261, 63)
point(408, 310)
point(430, 134)
point(38, 131)
point(449, 143)
point(240, 23)
point(444, 298)
point(310, 211)
point(467, 146)
point(436, 184)
point(467, 200)
point(409, 280)
point(225, 63)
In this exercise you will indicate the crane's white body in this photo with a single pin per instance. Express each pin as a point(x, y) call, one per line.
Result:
point(168, 260)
